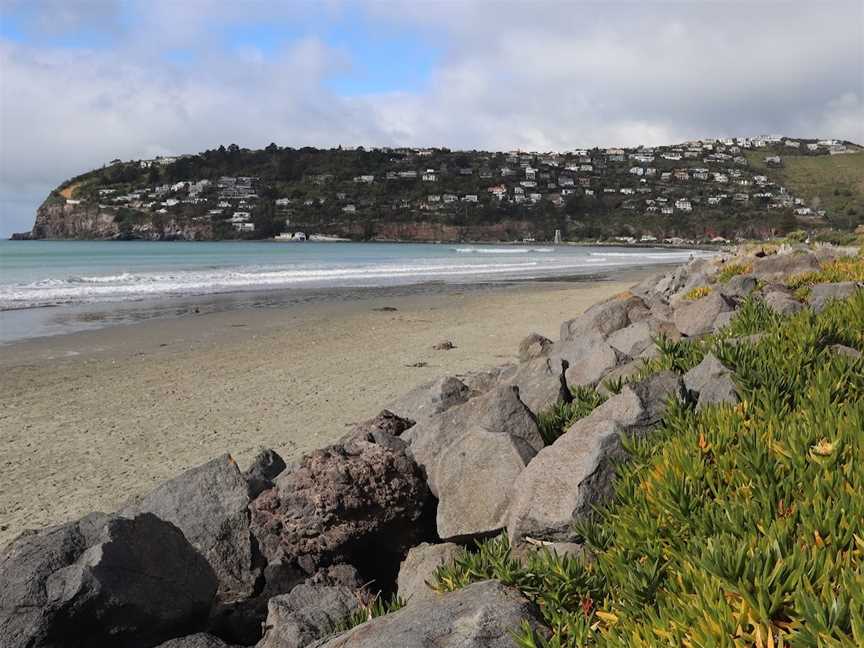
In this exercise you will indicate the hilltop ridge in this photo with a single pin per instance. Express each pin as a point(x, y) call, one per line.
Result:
point(721, 189)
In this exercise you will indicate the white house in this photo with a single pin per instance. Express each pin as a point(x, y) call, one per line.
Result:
point(430, 176)
point(683, 204)
point(241, 217)
point(470, 198)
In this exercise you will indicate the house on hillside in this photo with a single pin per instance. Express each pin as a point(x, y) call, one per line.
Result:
point(683, 204)
point(430, 176)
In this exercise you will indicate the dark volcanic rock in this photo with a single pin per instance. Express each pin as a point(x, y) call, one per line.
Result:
point(383, 430)
point(209, 503)
point(362, 504)
point(482, 615)
point(266, 467)
point(102, 581)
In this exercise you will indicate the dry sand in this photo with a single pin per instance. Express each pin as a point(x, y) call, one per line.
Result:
point(89, 419)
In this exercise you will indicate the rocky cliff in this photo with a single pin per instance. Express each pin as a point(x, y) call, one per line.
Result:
point(56, 220)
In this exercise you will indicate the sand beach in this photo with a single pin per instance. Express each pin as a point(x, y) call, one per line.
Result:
point(92, 418)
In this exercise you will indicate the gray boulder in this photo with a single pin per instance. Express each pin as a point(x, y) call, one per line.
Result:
point(565, 481)
point(200, 640)
point(739, 286)
point(641, 405)
point(264, 469)
point(499, 411)
point(589, 358)
point(308, 613)
point(482, 615)
point(782, 303)
point(102, 581)
point(822, 294)
point(698, 317)
point(622, 372)
point(418, 570)
point(209, 504)
point(711, 383)
point(474, 475)
point(633, 340)
point(843, 350)
point(431, 398)
point(779, 267)
point(533, 346)
point(603, 318)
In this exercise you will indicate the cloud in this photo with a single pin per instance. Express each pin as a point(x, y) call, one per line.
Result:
point(89, 81)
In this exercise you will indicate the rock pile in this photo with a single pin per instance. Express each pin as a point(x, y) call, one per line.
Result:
point(281, 556)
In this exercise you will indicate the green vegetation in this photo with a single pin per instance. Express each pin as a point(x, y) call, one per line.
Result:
point(554, 421)
point(734, 526)
point(831, 182)
point(370, 608)
point(851, 269)
point(732, 270)
point(697, 293)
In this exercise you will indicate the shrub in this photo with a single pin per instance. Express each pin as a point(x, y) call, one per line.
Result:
point(697, 293)
point(733, 269)
point(848, 269)
point(734, 526)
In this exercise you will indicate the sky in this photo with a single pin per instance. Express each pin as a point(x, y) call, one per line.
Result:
point(86, 81)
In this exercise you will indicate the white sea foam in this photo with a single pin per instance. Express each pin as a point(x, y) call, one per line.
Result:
point(129, 285)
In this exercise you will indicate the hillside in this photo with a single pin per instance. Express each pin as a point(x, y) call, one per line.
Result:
point(696, 191)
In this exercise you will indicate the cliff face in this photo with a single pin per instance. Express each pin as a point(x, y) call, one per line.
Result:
point(55, 220)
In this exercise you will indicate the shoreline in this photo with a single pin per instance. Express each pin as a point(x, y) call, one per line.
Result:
point(95, 417)
point(18, 325)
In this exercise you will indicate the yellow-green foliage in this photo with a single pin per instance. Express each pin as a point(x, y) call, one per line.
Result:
point(733, 269)
point(831, 182)
point(734, 526)
point(849, 269)
point(697, 293)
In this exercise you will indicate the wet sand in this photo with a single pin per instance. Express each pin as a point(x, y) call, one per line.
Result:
point(91, 418)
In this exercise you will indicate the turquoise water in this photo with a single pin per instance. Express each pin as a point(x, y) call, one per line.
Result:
point(55, 287)
point(52, 273)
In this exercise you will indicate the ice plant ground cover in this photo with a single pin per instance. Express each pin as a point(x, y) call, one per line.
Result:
point(732, 526)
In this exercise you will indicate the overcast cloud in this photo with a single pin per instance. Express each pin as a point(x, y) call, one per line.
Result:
point(84, 82)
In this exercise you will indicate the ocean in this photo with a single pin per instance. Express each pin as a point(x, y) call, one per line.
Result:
point(78, 280)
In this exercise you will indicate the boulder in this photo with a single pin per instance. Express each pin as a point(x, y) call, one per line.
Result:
point(821, 294)
point(782, 303)
point(480, 382)
point(589, 358)
point(384, 430)
point(500, 411)
point(418, 570)
point(723, 320)
point(698, 317)
point(847, 351)
point(265, 467)
point(641, 405)
point(780, 267)
point(538, 381)
point(474, 475)
point(199, 640)
point(621, 372)
point(431, 398)
point(209, 504)
point(603, 318)
point(634, 339)
point(711, 383)
point(533, 346)
point(739, 286)
point(308, 613)
point(102, 581)
point(362, 504)
point(565, 481)
point(482, 615)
